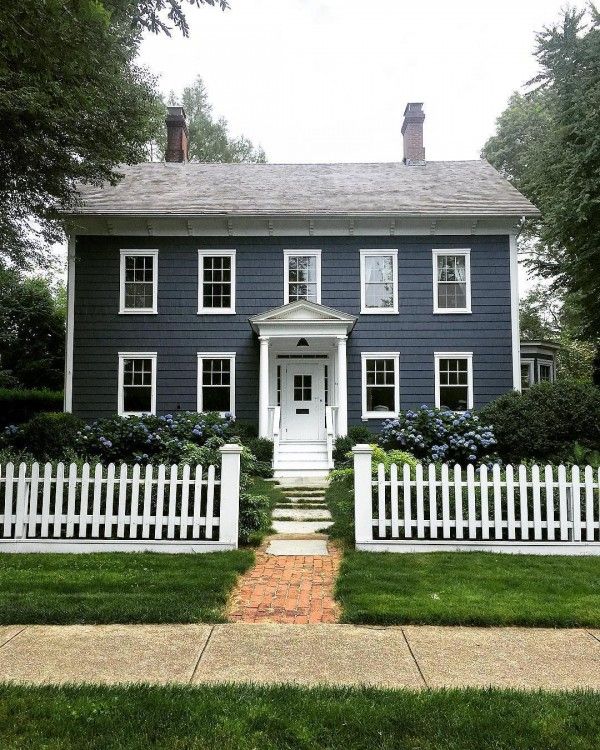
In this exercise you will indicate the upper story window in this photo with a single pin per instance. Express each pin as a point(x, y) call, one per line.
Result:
point(137, 383)
point(138, 281)
point(380, 384)
point(216, 281)
point(302, 275)
point(378, 281)
point(454, 380)
point(216, 382)
point(451, 281)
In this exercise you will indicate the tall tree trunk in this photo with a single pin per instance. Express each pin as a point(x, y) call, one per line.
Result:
point(596, 366)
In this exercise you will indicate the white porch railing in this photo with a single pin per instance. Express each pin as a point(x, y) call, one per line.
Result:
point(125, 508)
point(330, 434)
point(537, 510)
point(275, 432)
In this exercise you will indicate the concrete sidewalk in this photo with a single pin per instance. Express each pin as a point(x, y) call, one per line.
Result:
point(411, 656)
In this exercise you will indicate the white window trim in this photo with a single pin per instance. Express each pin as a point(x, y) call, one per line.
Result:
point(549, 364)
point(216, 355)
point(454, 355)
point(223, 253)
point(365, 253)
point(301, 253)
point(530, 365)
point(364, 356)
point(466, 253)
point(126, 252)
point(135, 355)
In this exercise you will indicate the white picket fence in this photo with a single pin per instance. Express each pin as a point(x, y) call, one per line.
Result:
point(120, 508)
point(535, 510)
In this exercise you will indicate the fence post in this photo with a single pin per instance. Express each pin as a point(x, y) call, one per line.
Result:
point(229, 513)
point(363, 494)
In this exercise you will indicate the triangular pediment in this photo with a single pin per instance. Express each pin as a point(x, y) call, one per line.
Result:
point(302, 310)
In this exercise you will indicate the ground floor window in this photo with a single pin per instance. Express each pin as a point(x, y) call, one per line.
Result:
point(380, 384)
point(545, 372)
point(216, 382)
point(526, 374)
point(454, 380)
point(137, 383)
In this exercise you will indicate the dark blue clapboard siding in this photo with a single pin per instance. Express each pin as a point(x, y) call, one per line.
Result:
point(177, 333)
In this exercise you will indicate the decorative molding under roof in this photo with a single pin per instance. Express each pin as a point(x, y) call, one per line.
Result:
point(303, 318)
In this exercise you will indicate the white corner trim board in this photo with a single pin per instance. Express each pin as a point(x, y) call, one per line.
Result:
point(514, 312)
point(68, 399)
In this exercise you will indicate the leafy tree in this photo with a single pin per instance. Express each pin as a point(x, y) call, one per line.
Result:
point(73, 105)
point(209, 138)
point(547, 143)
point(32, 333)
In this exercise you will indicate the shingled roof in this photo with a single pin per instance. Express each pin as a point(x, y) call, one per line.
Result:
point(437, 188)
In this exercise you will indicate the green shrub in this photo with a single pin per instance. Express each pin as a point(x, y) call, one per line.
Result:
point(18, 406)
point(387, 458)
point(46, 436)
point(255, 516)
point(340, 500)
point(545, 421)
point(356, 435)
point(262, 448)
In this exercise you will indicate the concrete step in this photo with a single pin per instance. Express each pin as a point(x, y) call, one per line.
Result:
point(297, 547)
point(305, 482)
point(300, 527)
point(302, 514)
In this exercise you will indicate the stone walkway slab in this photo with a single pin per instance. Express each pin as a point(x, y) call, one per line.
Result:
point(297, 547)
point(103, 653)
point(526, 658)
point(300, 527)
point(302, 514)
point(308, 655)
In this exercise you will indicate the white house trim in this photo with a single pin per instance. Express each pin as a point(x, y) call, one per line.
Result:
point(514, 312)
point(365, 356)
point(125, 253)
point(456, 355)
point(466, 253)
point(215, 253)
point(364, 254)
point(217, 355)
point(135, 355)
point(301, 253)
point(68, 398)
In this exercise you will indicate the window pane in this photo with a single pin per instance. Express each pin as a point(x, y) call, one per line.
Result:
point(139, 277)
point(452, 296)
point(216, 398)
point(379, 268)
point(379, 295)
point(380, 398)
point(302, 278)
point(137, 398)
point(454, 398)
point(525, 377)
point(216, 281)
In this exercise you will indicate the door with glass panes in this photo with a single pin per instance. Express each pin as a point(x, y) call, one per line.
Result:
point(303, 401)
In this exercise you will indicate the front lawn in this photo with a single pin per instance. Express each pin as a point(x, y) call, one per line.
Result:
point(243, 717)
point(118, 587)
point(469, 588)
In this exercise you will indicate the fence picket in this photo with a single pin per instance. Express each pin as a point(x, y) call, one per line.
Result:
point(32, 514)
point(135, 499)
point(537, 502)
point(210, 501)
point(445, 480)
point(381, 501)
point(420, 504)
point(58, 500)
point(83, 505)
point(406, 501)
point(485, 511)
point(71, 493)
point(458, 501)
point(394, 500)
point(185, 494)
point(198, 503)
point(562, 500)
point(22, 502)
point(498, 522)
point(8, 498)
point(160, 499)
point(147, 510)
point(110, 498)
point(549, 484)
point(97, 496)
point(472, 518)
point(433, 519)
point(510, 502)
point(122, 502)
point(576, 490)
point(589, 503)
point(172, 502)
point(46, 490)
point(523, 509)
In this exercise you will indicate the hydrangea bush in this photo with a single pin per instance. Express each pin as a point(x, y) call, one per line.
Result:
point(440, 435)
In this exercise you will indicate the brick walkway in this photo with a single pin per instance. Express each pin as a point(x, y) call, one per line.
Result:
point(287, 589)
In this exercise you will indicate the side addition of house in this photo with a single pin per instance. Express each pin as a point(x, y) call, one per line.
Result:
point(303, 298)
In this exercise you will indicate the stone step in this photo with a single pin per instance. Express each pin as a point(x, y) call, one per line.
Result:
point(300, 527)
point(302, 547)
point(302, 514)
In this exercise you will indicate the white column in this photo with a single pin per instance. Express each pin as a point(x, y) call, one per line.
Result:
point(230, 494)
point(263, 388)
point(342, 396)
point(363, 490)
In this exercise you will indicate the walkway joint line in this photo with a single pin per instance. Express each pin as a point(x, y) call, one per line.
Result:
point(594, 636)
point(14, 635)
point(412, 653)
point(201, 654)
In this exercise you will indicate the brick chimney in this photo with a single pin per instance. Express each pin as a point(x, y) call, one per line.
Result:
point(177, 135)
point(412, 130)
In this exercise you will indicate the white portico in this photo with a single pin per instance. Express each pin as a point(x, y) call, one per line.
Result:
point(303, 384)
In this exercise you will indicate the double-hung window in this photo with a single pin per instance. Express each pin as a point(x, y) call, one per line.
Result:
point(451, 281)
point(302, 275)
point(216, 281)
point(454, 380)
point(137, 383)
point(378, 281)
point(380, 384)
point(216, 382)
point(545, 372)
point(138, 282)
point(527, 379)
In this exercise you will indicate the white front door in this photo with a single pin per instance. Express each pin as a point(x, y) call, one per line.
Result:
point(303, 401)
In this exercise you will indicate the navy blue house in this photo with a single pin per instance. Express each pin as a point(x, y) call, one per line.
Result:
point(303, 298)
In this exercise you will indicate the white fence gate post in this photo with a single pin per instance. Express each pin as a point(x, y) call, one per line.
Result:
point(229, 514)
point(363, 494)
